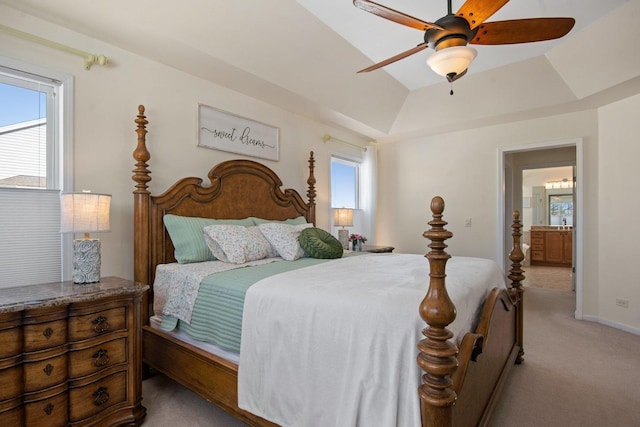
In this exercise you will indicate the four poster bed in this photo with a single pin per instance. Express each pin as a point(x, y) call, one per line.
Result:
point(457, 378)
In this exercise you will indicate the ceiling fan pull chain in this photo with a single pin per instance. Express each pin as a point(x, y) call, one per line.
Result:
point(451, 92)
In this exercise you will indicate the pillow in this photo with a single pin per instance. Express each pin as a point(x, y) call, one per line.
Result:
point(293, 221)
point(237, 244)
point(284, 238)
point(186, 236)
point(319, 244)
point(258, 247)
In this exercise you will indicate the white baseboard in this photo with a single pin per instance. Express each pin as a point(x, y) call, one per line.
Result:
point(615, 325)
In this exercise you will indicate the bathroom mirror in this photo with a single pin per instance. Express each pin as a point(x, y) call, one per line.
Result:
point(561, 209)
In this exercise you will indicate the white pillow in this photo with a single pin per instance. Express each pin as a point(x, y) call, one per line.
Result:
point(237, 244)
point(284, 238)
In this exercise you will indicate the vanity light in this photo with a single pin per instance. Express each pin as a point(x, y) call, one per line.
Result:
point(554, 185)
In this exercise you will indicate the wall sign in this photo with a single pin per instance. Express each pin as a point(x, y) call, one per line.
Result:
point(224, 131)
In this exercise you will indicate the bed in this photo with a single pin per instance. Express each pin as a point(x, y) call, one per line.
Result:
point(461, 378)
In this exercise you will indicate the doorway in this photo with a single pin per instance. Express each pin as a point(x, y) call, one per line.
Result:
point(547, 222)
point(512, 162)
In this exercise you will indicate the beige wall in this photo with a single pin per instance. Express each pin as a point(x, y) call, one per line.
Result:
point(463, 168)
point(618, 204)
point(106, 103)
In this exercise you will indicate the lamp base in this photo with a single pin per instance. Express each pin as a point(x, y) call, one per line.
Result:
point(86, 261)
point(343, 237)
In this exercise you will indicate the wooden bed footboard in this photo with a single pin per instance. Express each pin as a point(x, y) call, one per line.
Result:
point(460, 386)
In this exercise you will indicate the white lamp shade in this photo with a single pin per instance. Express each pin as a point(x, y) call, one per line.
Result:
point(85, 212)
point(343, 217)
point(454, 59)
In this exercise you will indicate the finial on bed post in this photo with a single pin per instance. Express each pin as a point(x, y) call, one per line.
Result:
point(141, 195)
point(516, 275)
point(141, 154)
point(437, 356)
point(311, 192)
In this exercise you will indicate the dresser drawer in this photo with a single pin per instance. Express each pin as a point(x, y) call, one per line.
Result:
point(45, 335)
point(10, 334)
point(93, 398)
point(11, 383)
point(537, 255)
point(96, 358)
point(97, 323)
point(50, 411)
point(12, 412)
point(45, 370)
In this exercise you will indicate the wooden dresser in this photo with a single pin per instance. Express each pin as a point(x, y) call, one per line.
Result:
point(70, 355)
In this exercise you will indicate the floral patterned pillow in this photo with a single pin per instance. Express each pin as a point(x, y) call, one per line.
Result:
point(284, 239)
point(186, 235)
point(258, 247)
point(237, 244)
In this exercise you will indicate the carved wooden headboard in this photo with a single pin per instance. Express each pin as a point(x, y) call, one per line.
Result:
point(237, 189)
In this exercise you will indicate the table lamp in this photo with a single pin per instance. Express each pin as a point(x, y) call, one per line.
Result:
point(86, 213)
point(343, 217)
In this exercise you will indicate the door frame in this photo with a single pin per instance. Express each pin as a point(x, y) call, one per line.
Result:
point(504, 203)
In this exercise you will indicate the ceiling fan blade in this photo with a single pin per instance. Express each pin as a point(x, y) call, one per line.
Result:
point(394, 15)
point(478, 11)
point(393, 59)
point(522, 30)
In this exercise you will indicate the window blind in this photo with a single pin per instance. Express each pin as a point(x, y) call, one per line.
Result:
point(30, 239)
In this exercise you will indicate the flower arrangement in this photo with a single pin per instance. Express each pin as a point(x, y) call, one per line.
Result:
point(357, 238)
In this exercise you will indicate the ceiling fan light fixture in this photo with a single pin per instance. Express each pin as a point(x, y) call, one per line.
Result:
point(452, 60)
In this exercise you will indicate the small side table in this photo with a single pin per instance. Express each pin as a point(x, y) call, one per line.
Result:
point(377, 249)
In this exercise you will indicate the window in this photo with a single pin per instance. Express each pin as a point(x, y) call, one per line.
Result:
point(345, 182)
point(33, 145)
point(28, 151)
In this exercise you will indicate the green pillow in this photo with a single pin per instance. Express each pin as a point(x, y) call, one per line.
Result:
point(188, 239)
point(319, 244)
point(293, 221)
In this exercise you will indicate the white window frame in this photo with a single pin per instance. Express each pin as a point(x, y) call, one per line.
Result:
point(60, 161)
point(357, 166)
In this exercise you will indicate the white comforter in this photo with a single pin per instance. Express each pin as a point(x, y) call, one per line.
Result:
point(335, 344)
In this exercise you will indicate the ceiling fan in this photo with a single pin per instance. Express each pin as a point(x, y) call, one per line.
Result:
point(450, 34)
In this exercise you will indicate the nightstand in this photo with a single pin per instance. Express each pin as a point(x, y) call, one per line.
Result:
point(377, 249)
point(71, 354)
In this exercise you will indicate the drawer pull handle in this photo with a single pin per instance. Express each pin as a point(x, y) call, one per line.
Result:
point(100, 324)
point(48, 369)
point(47, 333)
point(48, 409)
point(100, 358)
point(100, 396)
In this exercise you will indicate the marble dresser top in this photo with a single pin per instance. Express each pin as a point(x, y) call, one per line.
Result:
point(58, 293)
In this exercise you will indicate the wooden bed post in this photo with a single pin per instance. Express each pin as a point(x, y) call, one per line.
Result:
point(516, 276)
point(437, 356)
point(311, 192)
point(141, 206)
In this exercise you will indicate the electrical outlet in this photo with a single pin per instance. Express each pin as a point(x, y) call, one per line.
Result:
point(624, 303)
point(467, 222)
